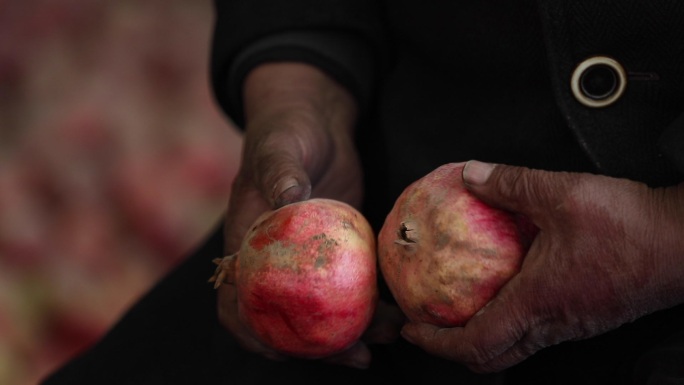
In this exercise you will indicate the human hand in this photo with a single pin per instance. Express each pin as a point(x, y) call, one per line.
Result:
point(608, 251)
point(298, 144)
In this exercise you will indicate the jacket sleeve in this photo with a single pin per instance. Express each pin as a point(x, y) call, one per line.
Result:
point(342, 37)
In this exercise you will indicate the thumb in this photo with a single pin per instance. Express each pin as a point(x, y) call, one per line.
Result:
point(517, 189)
point(283, 181)
point(279, 172)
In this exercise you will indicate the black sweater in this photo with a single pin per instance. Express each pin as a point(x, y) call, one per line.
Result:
point(450, 81)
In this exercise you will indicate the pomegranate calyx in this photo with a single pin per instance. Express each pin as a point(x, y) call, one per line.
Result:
point(225, 270)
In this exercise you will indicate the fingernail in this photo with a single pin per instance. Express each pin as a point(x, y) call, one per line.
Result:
point(289, 191)
point(477, 173)
point(483, 309)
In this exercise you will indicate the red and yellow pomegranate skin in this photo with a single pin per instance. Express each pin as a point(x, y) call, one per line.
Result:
point(306, 278)
point(444, 254)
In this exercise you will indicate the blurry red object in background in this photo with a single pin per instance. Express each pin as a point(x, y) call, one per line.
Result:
point(114, 162)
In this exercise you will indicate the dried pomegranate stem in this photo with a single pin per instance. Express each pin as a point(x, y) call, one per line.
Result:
point(225, 270)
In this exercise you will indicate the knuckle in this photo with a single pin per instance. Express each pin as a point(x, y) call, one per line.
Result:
point(547, 190)
point(517, 183)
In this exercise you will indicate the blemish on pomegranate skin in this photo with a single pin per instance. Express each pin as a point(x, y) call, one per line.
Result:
point(321, 261)
point(260, 240)
point(273, 232)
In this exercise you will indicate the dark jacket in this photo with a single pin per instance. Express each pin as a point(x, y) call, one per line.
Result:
point(491, 80)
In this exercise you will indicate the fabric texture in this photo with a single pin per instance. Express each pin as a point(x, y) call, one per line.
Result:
point(645, 37)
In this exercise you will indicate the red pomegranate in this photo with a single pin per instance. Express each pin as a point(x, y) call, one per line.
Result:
point(306, 278)
point(444, 254)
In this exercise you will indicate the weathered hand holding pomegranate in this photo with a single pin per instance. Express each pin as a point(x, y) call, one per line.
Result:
point(305, 277)
point(444, 254)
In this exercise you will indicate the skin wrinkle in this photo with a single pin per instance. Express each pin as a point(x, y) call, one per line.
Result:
point(297, 155)
point(608, 287)
point(600, 276)
point(665, 218)
point(341, 185)
point(525, 347)
point(514, 350)
point(333, 131)
point(527, 337)
point(636, 241)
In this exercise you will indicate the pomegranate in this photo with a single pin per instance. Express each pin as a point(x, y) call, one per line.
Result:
point(443, 253)
point(305, 277)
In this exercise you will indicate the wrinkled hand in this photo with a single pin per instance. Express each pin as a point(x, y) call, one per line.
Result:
point(608, 251)
point(298, 144)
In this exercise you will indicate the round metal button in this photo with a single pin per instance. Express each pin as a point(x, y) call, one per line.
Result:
point(598, 81)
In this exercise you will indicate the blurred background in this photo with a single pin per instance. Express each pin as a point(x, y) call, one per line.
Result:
point(114, 162)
